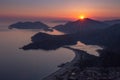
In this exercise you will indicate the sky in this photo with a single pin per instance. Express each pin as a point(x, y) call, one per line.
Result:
point(99, 9)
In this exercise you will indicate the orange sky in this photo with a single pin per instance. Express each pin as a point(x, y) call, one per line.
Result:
point(60, 8)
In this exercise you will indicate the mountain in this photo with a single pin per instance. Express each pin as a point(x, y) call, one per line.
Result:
point(112, 22)
point(86, 25)
point(110, 37)
point(29, 25)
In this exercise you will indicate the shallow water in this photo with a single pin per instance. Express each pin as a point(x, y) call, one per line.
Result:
point(90, 49)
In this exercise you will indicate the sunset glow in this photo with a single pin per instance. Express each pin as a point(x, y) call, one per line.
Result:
point(99, 9)
point(82, 17)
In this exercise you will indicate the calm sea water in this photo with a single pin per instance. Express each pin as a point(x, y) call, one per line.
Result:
point(17, 64)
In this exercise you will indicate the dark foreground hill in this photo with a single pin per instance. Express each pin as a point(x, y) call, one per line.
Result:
point(109, 37)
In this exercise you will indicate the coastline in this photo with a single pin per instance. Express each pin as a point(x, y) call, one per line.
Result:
point(67, 67)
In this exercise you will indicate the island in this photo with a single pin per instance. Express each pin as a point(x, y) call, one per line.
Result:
point(30, 25)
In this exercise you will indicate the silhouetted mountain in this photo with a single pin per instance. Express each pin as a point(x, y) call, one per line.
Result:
point(109, 37)
point(86, 25)
point(112, 22)
point(30, 25)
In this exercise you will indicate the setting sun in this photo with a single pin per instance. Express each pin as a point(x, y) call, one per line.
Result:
point(82, 17)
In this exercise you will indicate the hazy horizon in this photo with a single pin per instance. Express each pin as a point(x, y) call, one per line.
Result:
point(51, 22)
point(58, 9)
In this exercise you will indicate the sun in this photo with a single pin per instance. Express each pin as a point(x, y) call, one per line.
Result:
point(82, 17)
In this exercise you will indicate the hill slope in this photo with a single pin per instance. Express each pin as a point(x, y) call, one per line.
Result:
point(86, 25)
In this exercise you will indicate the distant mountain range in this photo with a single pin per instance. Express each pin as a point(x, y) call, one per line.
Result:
point(87, 31)
point(98, 33)
point(86, 25)
point(30, 25)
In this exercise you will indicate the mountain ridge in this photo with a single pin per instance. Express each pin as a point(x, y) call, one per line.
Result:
point(84, 25)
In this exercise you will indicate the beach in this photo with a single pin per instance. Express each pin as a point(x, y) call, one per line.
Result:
point(67, 68)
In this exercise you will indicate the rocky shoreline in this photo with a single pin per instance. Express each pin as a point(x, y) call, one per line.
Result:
point(75, 70)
